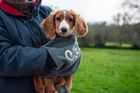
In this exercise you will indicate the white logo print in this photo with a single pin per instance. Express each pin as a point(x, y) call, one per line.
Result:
point(72, 55)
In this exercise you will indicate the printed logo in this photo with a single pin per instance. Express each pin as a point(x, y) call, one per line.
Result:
point(72, 55)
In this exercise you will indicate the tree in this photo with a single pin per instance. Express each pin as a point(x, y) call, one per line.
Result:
point(129, 18)
point(131, 11)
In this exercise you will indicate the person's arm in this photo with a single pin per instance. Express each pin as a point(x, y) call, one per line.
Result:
point(17, 60)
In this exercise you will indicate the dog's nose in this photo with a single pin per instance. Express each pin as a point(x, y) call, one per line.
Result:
point(64, 30)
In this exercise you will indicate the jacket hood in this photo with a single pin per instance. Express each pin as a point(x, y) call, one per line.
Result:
point(11, 10)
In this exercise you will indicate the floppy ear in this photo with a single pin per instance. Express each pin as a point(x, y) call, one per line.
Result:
point(81, 26)
point(48, 25)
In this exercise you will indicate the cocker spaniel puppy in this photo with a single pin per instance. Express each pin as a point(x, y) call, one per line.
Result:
point(62, 23)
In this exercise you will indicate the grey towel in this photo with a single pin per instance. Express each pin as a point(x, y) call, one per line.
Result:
point(66, 55)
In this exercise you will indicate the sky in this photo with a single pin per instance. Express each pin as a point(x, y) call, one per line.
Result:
point(90, 10)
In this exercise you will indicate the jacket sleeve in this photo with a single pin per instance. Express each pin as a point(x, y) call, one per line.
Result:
point(16, 60)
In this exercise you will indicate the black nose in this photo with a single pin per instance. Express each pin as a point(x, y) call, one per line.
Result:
point(64, 30)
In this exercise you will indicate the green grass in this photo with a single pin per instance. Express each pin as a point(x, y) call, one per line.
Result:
point(108, 71)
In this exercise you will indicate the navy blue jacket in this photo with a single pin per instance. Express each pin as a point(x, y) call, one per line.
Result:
point(21, 54)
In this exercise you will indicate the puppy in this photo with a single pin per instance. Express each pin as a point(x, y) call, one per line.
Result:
point(62, 23)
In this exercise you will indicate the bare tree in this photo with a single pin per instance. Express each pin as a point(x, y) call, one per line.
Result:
point(131, 11)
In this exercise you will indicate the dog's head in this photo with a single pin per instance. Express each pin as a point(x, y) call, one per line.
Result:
point(64, 23)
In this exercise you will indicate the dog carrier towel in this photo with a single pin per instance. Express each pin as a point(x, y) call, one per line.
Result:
point(65, 54)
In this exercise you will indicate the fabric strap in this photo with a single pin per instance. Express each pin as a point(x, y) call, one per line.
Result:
point(25, 6)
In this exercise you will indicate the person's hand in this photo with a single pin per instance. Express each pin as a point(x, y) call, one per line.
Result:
point(61, 89)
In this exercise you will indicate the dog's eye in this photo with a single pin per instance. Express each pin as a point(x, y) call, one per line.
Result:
point(70, 19)
point(58, 18)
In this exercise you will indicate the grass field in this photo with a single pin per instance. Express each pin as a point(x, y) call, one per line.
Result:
point(108, 71)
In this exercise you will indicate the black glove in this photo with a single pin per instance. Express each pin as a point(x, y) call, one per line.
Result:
point(62, 89)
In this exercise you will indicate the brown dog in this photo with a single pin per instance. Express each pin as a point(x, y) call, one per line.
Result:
point(62, 23)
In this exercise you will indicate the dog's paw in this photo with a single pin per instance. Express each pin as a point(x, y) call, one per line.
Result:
point(68, 88)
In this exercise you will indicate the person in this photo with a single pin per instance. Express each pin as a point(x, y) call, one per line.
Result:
point(21, 53)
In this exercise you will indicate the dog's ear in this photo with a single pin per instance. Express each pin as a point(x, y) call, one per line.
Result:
point(81, 26)
point(48, 25)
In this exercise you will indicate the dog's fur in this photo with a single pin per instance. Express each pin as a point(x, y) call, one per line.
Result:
point(62, 23)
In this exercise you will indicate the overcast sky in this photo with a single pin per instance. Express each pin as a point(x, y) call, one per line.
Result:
point(90, 10)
